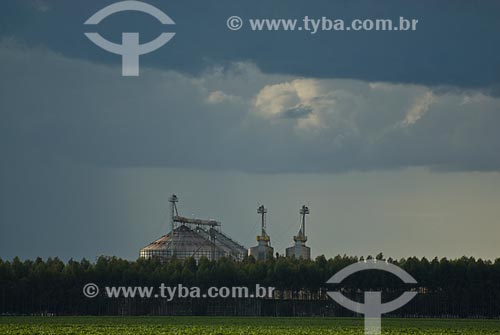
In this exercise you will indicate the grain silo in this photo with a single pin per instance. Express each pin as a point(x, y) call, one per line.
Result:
point(263, 250)
point(300, 250)
point(193, 238)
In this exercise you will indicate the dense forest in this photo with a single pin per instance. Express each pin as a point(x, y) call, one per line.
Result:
point(464, 287)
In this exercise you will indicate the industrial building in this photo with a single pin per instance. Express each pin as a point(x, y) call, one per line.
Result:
point(195, 238)
point(300, 250)
point(263, 250)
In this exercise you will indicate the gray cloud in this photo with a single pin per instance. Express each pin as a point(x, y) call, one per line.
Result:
point(297, 112)
point(452, 45)
point(88, 113)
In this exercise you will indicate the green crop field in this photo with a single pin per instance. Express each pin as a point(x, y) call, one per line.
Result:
point(233, 325)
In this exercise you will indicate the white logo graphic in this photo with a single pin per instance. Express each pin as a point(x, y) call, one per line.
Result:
point(234, 23)
point(91, 290)
point(130, 49)
point(373, 308)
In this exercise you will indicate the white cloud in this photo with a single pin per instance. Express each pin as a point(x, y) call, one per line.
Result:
point(304, 100)
point(418, 109)
point(274, 100)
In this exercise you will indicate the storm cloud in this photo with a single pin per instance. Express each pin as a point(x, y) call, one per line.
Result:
point(455, 43)
point(236, 117)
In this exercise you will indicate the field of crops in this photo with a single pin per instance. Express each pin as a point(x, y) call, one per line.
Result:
point(232, 325)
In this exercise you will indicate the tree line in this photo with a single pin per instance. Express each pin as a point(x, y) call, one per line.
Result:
point(464, 287)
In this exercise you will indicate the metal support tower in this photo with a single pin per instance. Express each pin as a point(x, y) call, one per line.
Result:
point(173, 213)
point(302, 232)
point(263, 237)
